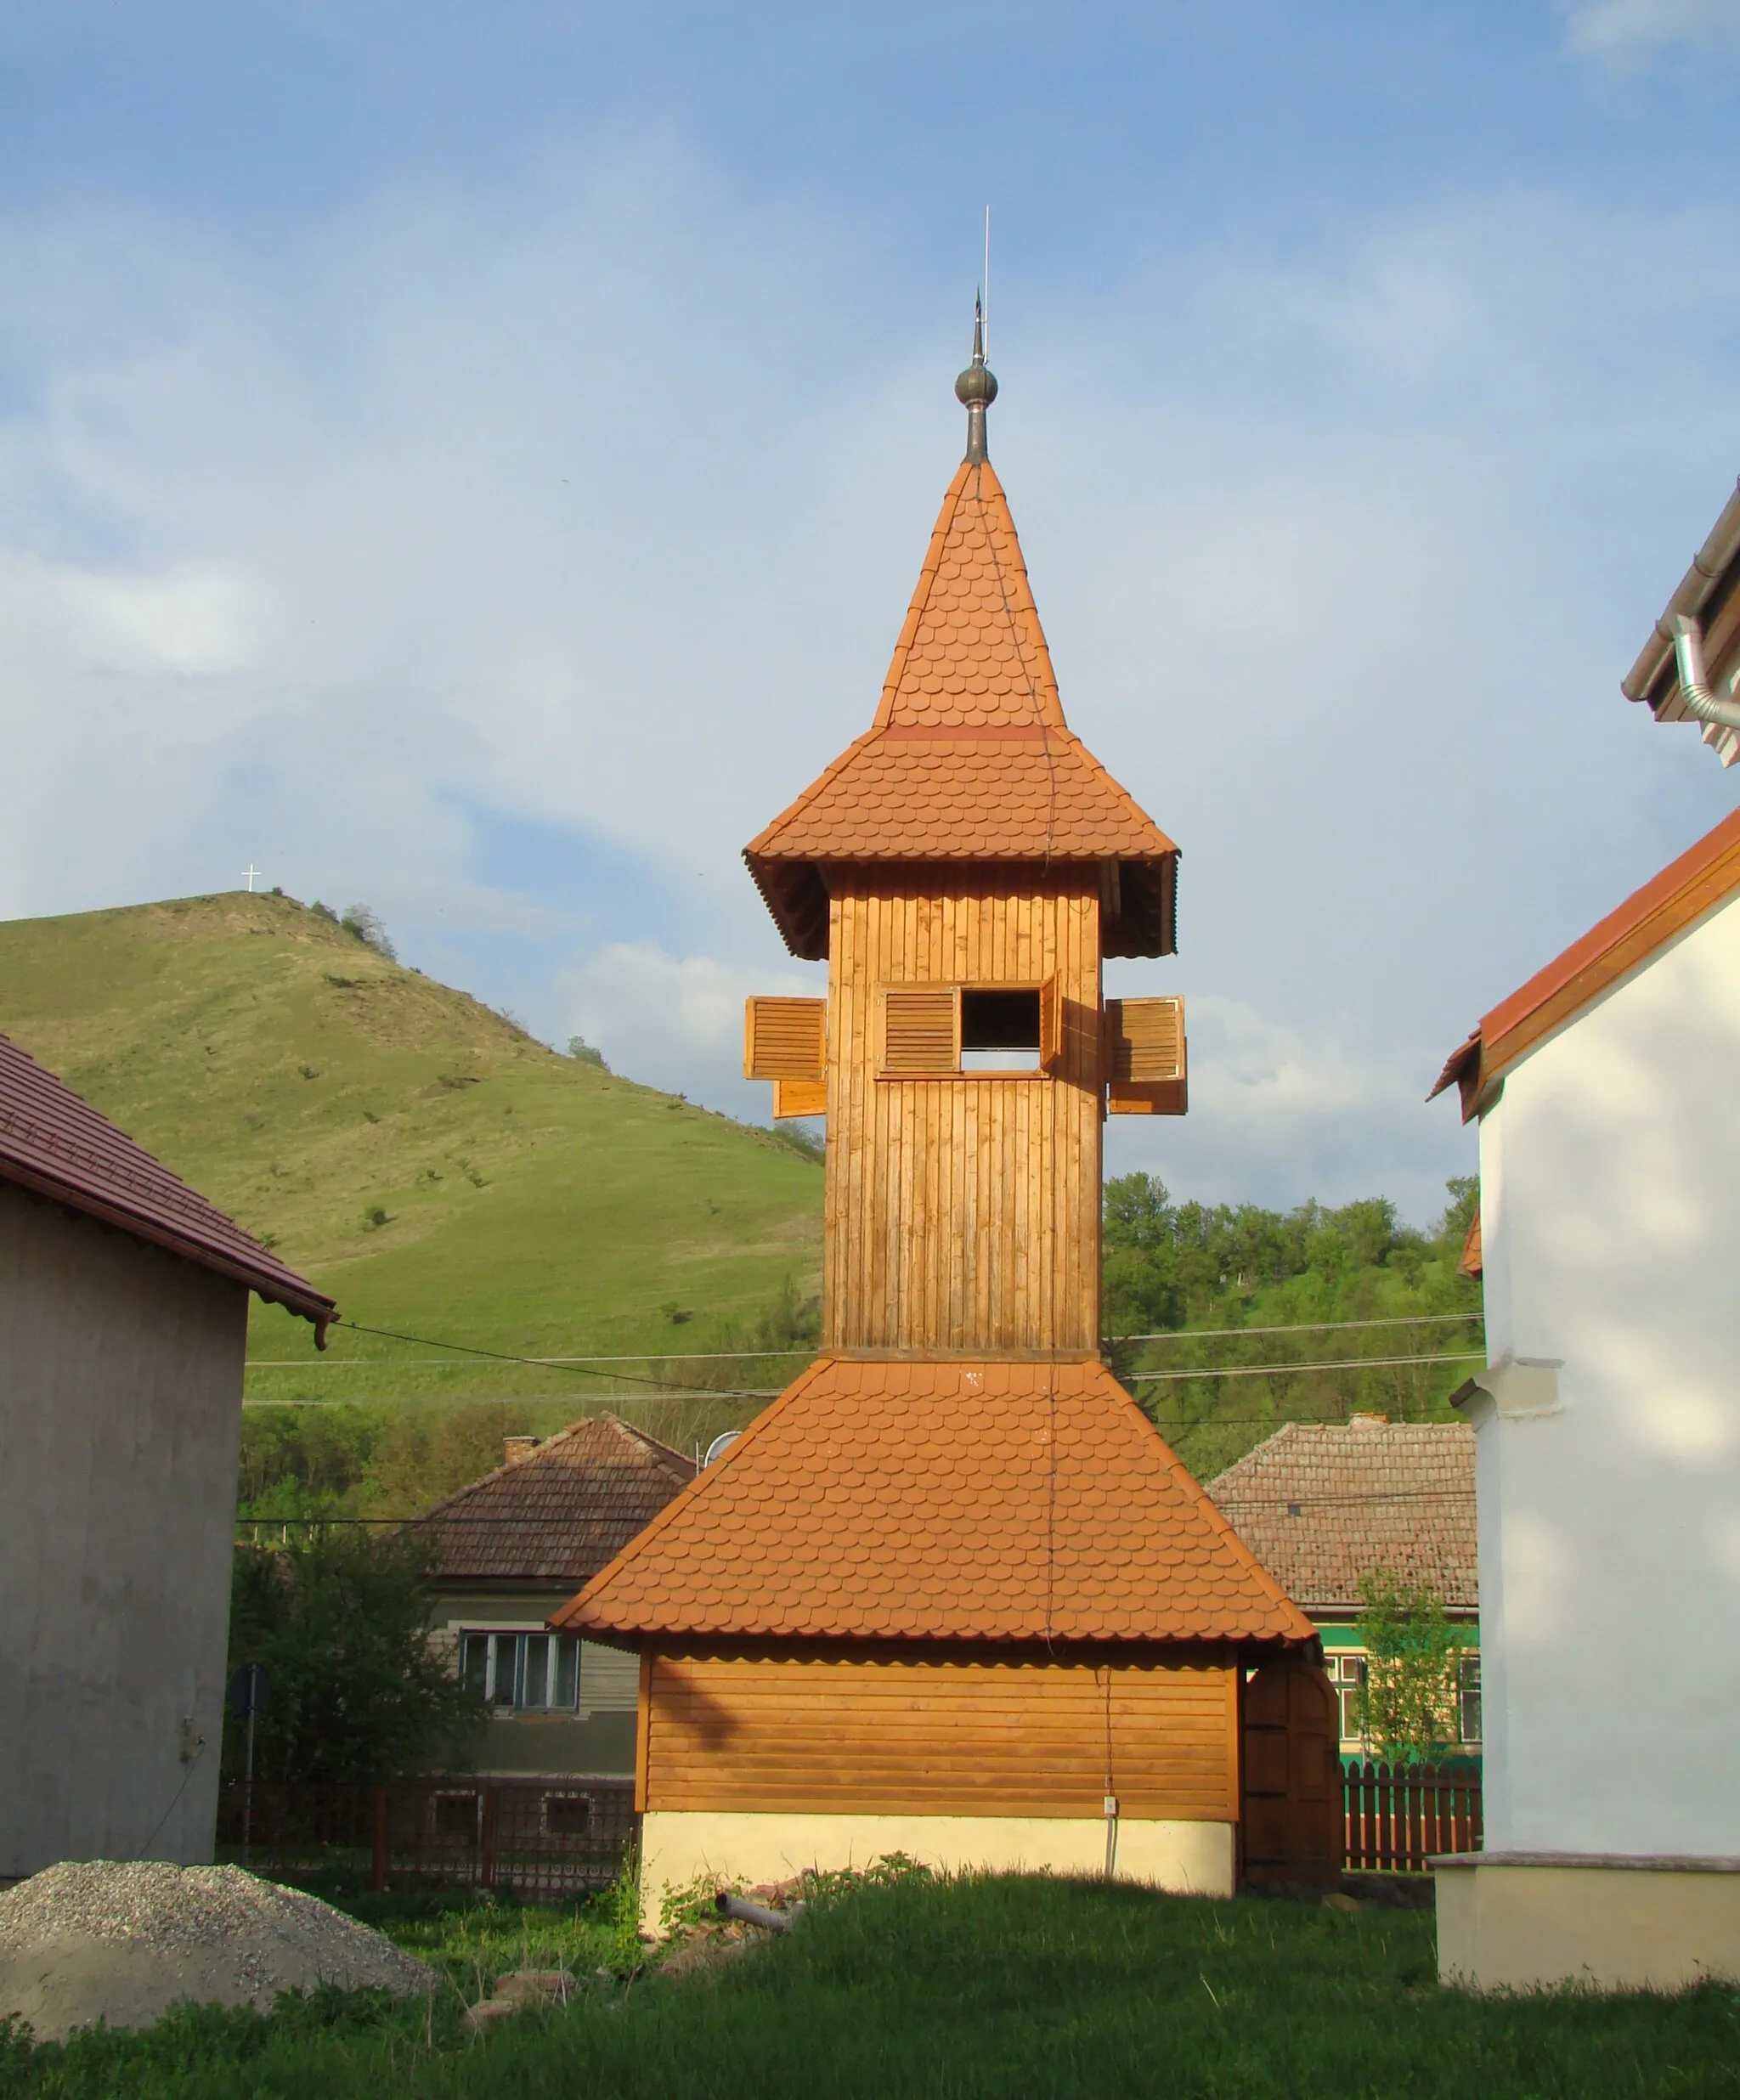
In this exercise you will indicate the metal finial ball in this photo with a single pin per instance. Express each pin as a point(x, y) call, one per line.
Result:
point(978, 383)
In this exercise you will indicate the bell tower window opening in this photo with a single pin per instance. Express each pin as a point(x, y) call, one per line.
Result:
point(999, 1031)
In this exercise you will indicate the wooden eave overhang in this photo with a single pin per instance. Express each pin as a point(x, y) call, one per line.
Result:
point(1666, 906)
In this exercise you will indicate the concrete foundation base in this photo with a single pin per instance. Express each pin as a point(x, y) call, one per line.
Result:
point(1193, 1859)
point(1509, 1921)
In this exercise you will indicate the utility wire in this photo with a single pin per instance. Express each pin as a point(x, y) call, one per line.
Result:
point(665, 1387)
point(1233, 1503)
point(1294, 1326)
point(753, 1356)
point(1272, 1370)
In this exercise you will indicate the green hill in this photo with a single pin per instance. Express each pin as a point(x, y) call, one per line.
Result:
point(419, 1156)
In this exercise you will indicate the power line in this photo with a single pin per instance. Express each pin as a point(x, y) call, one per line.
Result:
point(1273, 1370)
point(665, 1387)
point(689, 1355)
point(1296, 1327)
point(1242, 1502)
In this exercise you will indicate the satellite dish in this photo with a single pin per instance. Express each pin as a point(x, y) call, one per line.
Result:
point(719, 1445)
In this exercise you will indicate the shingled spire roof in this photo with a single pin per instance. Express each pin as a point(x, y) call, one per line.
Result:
point(969, 757)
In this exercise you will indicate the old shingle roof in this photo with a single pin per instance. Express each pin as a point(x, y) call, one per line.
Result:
point(942, 1500)
point(57, 1146)
point(562, 1512)
point(968, 758)
point(1322, 1504)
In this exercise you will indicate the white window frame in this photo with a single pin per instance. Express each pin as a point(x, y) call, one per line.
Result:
point(498, 1635)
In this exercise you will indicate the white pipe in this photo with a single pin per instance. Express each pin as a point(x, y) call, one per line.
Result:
point(1695, 695)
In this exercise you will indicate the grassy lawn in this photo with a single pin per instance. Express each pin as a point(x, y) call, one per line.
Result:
point(1003, 1986)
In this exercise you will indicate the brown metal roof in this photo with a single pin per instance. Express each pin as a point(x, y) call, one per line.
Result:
point(57, 1146)
point(908, 1500)
point(1322, 1504)
point(561, 1513)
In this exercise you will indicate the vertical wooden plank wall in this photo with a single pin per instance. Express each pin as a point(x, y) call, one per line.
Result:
point(963, 1213)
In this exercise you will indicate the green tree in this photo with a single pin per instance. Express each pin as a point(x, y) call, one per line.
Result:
point(1408, 1704)
point(359, 1694)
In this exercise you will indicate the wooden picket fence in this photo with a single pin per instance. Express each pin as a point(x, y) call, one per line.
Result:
point(1398, 1816)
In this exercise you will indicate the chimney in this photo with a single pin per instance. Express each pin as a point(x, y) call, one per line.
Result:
point(514, 1448)
point(1357, 1421)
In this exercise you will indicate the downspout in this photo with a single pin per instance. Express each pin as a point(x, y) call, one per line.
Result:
point(1695, 695)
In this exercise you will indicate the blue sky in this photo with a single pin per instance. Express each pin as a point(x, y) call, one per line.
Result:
point(476, 460)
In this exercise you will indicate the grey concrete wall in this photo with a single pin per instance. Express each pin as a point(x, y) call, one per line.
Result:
point(121, 1375)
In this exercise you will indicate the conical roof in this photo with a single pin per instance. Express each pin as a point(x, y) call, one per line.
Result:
point(879, 1500)
point(968, 757)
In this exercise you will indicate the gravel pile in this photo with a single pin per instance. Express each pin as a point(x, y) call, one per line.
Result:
point(123, 1941)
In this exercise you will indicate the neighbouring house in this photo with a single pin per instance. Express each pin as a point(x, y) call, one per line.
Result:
point(511, 1550)
point(1608, 1423)
point(1322, 1505)
point(952, 1594)
point(123, 1328)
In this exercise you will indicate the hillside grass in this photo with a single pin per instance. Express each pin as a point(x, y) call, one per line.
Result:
point(415, 1153)
point(988, 1986)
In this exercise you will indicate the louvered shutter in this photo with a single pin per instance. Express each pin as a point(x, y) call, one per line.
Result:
point(1146, 1057)
point(921, 1032)
point(786, 1039)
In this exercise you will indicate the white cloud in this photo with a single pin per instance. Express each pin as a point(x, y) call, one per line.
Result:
point(439, 532)
point(1622, 33)
point(677, 1021)
point(1294, 1112)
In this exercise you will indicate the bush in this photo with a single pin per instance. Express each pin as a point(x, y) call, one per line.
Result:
point(365, 922)
point(340, 1621)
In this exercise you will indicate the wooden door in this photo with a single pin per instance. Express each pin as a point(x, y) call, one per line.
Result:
point(1291, 1821)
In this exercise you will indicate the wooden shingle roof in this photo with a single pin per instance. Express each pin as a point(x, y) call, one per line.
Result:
point(560, 1512)
point(57, 1146)
point(1322, 1504)
point(1007, 1501)
point(968, 758)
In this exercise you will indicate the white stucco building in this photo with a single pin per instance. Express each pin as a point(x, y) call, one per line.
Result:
point(1607, 1427)
point(123, 1326)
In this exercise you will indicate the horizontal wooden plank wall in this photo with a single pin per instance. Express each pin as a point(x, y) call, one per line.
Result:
point(963, 1213)
point(809, 1735)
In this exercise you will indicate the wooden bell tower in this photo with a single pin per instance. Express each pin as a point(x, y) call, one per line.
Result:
point(964, 868)
point(952, 1593)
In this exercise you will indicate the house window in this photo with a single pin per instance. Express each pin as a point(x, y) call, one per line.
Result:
point(940, 1032)
point(1470, 1699)
point(521, 1673)
point(1347, 1673)
point(568, 1815)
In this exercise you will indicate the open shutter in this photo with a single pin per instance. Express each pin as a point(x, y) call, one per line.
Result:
point(786, 1039)
point(1146, 1057)
point(800, 1096)
point(1051, 1025)
point(921, 1032)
